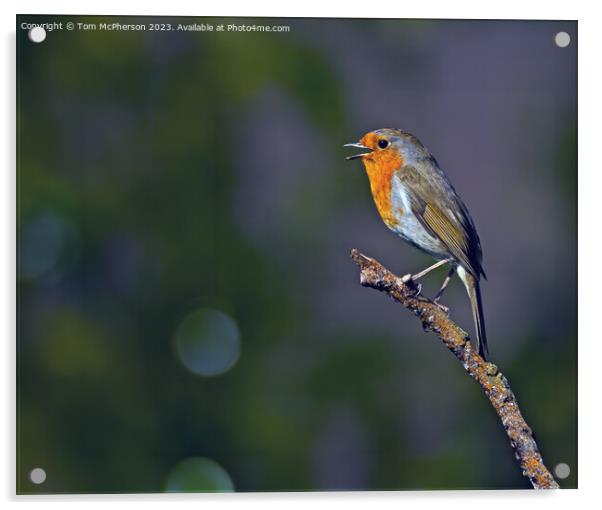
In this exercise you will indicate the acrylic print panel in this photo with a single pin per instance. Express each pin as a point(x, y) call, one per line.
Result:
point(189, 317)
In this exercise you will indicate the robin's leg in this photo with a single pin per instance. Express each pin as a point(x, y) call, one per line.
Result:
point(442, 289)
point(414, 277)
point(406, 278)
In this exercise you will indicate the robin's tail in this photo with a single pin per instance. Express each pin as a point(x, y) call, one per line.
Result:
point(474, 294)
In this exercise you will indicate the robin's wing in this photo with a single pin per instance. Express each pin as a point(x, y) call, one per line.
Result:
point(438, 207)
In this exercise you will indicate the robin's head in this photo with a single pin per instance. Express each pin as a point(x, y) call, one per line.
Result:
point(384, 151)
point(386, 148)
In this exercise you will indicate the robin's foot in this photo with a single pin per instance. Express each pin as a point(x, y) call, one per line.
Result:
point(444, 308)
point(410, 281)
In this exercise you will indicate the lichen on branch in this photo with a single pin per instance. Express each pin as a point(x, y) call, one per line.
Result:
point(493, 383)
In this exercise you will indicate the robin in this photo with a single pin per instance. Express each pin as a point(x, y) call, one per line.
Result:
point(416, 201)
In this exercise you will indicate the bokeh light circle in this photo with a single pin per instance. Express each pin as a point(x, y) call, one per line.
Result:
point(198, 474)
point(42, 245)
point(208, 342)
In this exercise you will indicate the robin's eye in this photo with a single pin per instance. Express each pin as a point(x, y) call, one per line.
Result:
point(383, 144)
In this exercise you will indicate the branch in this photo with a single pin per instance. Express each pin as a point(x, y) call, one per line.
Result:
point(494, 384)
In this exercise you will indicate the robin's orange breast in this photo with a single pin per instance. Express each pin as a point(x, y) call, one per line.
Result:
point(380, 167)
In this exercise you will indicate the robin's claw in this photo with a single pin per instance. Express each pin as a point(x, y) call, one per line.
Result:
point(410, 281)
point(418, 289)
point(443, 308)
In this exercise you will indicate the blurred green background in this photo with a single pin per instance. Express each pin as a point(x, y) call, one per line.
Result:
point(188, 315)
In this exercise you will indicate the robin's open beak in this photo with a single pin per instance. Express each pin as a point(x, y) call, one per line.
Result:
point(357, 146)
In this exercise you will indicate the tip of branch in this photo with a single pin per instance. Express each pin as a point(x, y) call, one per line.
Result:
point(358, 257)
